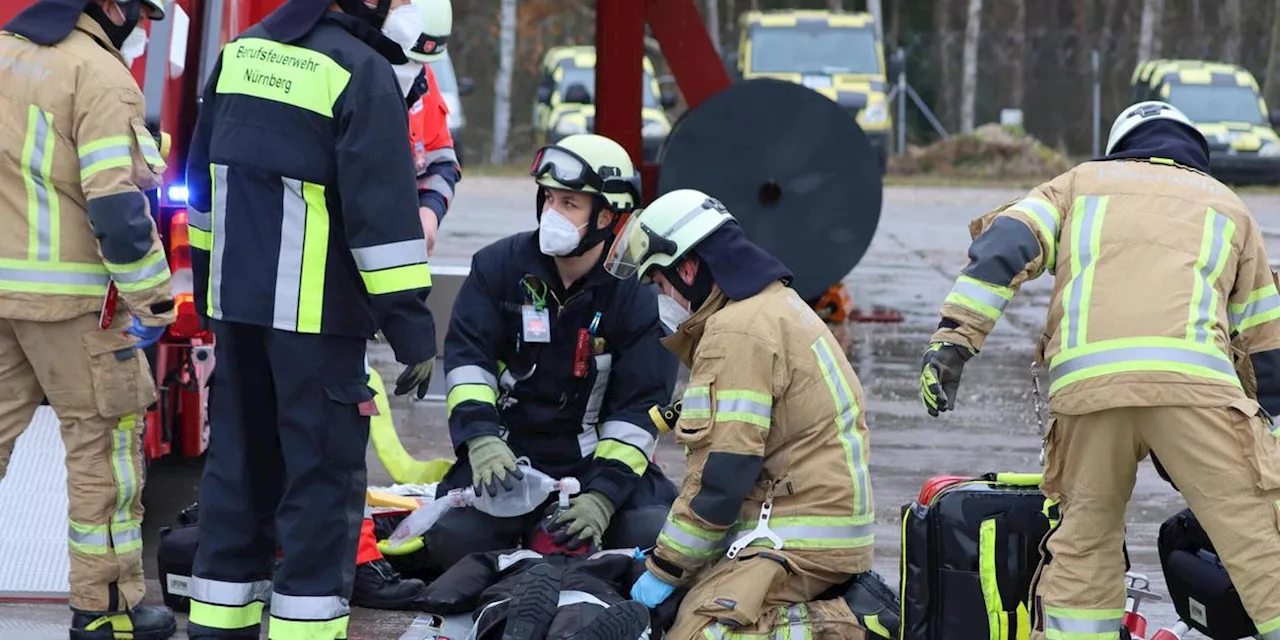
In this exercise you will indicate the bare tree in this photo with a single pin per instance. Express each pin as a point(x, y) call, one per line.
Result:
point(713, 23)
point(1231, 32)
point(502, 83)
point(969, 82)
point(835, 5)
point(1148, 36)
point(1018, 36)
point(1272, 82)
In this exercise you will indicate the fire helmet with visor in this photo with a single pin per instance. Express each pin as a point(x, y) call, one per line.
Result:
point(664, 232)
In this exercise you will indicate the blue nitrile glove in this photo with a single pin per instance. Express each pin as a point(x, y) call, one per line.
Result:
point(651, 590)
point(146, 336)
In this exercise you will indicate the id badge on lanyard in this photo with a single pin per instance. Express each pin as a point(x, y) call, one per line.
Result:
point(534, 318)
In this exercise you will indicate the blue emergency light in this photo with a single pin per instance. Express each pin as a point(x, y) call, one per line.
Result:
point(177, 193)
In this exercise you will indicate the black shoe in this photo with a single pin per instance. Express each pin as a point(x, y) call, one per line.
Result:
point(623, 621)
point(142, 623)
point(534, 604)
point(378, 586)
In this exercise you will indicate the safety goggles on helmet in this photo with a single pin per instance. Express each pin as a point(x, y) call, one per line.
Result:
point(570, 170)
point(634, 246)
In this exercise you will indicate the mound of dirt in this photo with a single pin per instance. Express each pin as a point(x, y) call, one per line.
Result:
point(990, 152)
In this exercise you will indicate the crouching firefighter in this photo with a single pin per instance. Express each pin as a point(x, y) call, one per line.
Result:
point(1160, 276)
point(78, 228)
point(549, 357)
point(306, 240)
point(776, 510)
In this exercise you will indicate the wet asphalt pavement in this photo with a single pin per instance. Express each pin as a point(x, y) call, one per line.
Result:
point(919, 247)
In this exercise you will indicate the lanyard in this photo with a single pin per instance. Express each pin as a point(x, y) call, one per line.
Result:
point(539, 299)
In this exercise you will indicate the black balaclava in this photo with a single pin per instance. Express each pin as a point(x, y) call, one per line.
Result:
point(696, 293)
point(1164, 139)
point(132, 10)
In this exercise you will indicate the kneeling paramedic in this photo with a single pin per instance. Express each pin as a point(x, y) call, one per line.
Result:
point(775, 431)
point(306, 240)
point(78, 229)
point(1160, 276)
point(549, 357)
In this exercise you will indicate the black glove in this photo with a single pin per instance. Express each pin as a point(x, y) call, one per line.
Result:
point(415, 375)
point(940, 375)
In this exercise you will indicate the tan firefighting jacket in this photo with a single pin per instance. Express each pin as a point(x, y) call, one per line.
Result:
point(772, 411)
point(74, 152)
point(1161, 282)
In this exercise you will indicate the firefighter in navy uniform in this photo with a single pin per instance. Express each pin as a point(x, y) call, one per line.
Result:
point(303, 221)
point(550, 357)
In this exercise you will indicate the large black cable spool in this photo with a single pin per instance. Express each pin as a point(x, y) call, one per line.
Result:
point(792, 166)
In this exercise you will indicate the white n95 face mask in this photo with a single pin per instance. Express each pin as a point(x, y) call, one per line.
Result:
point(403, 25)
point(556, 235)
point(671, 313)
point(134, 45)
point(406, 75)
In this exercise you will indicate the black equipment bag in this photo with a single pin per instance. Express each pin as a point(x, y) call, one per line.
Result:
point(970, 547)
point(174, 559)
point(1198, 584)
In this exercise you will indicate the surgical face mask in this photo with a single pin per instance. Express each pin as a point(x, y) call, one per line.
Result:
point(671, 312)
point(407, 74)
point(556, 235)
point(134, 45)
point(403, 26)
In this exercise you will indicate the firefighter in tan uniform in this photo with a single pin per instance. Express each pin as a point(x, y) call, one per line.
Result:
point(1160, 276)
point(776, 506)
point(75, 154)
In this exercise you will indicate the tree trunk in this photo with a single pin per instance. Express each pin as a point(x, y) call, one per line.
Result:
point(1148, 39)
point(713, 23)
point(944, 103)
point(1017, 62)
point(1231, 31)
point(1272, 82)
point(502, 83)
point(835, 5)
point(731, 22)
point(969, 82)
point(895, 37)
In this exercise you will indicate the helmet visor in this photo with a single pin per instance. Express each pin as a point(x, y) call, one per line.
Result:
point(634, 246)
point(565, 167)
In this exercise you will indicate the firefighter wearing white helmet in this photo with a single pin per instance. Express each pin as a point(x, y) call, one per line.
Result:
point(773, 421)
point(550, 358)
point(1163, 337)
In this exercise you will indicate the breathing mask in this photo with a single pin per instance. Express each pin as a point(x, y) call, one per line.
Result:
point(557, 236)
point(403, 25)
point(671, 313)
point(134, 45)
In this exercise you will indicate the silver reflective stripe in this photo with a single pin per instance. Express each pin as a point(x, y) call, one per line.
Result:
point(56, 277)
point(390, 255)
point(1208, 273)
point(591, 415)
point(507, 560)
point(150, 152)
point(981, 294)
point(439, 185)
point(794, 623)
point(684, 538)
point(507, 380)
point(471, 374)
point(683, 220)
point(126, 479)
point(95, 538)
point(141, 273)
point(1254, 308)
point(1075, 337)
point(794, 534)
point(1273, 634)
point(308, 607)
point(1076, 625)
point(198, 219)
point(696, 399)
point(446, 154)
point(718, 631)
point(123, 536)
point(43, 219)
point(1127, 354)
point(570, 597)
point(105, 153)
point(1040, 210)
point(588, 440)
point(219, 239)
point(847, 419)
point(629, 433)
point(229, 594)
point(742, 405)
point(293, 229)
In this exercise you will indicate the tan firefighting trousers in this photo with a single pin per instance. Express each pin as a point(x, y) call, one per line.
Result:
point(755, 597)
point(99, 385)
point(1226, 464)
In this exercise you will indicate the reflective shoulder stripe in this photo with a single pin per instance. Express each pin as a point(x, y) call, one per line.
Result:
point(1048, 218)
point(42, 198)
point(282, 73)
point(1154, 354)
point(744, 405)
point(1082, 623)
point(1262, 305)
point(65, 278)
point(1215, 244)
point(983, 298)
point(105, 153)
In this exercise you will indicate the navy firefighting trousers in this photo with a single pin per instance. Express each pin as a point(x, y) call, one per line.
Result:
point(285, 470)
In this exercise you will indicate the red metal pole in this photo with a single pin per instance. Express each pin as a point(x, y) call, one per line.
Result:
point(687, 48)
point(619, 72)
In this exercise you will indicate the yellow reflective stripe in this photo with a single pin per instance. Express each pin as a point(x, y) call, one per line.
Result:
point(1086, 233)
point(690, 540)
point(873, 624)
point(67, 278)
point(127, 482)
point(628, 455)
point(743, 405)
point(983, 298)
point(793, 623)
point(199, 238)
point(414, 276)
point(1214, 243)
point(87, 539)
point(126, 537)
point(696, 403)
point(846, 415)
point(113, 622)
point(216, 616)
point(42, 197)
point(997, 619)
point(102, 154)
point(1270, 630)
point(1124, 355)
point(1082, 624)
point(148, 272)
point(817, 532)
point(314, 254)
point(282, 73)
point(1262, 305)
point(1049, 219)
point(150, 152)
point(469, 392)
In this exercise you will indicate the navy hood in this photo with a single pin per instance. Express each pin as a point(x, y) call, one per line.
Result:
point(1164, 139)
point(47, 22)
point(738, 266)
point(294, 19)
